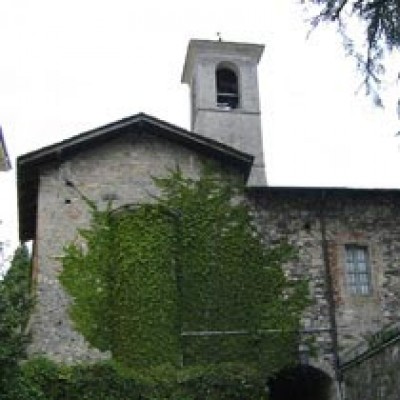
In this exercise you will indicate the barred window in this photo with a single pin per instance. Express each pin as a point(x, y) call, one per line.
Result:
point(358, 270)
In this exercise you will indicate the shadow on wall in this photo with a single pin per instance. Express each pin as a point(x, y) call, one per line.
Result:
point(301, 383)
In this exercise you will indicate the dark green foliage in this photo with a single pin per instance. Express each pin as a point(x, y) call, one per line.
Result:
point(15, 305)
point(381, 20)
point(124, 286)
point(41, 379)
point(223, 382)
point(88, 278)
point(145, 291)
point(51, 381)
point(184, 281)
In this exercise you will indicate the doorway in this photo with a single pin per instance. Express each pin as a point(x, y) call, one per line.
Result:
point(301, 383)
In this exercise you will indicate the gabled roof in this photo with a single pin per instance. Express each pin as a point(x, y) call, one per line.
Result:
point(28, 165)
point(5, 163)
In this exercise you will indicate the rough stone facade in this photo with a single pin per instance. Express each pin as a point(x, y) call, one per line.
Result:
point(314, 219)
point(121, 171)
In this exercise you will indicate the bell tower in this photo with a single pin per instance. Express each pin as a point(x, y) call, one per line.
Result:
point(225, 102)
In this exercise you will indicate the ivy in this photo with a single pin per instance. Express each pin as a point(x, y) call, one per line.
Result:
point(145, 289)
point(184, 280)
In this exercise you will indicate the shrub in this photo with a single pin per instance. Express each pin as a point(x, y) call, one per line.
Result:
point(41, 379)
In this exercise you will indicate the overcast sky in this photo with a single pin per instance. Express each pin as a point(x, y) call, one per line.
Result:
point(69, 66)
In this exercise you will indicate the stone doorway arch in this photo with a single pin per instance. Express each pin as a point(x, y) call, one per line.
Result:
point(302, 382)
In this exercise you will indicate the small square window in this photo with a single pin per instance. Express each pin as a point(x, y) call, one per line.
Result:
point(358, 270)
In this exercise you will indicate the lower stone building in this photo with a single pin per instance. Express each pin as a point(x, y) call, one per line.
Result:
point(348, 240)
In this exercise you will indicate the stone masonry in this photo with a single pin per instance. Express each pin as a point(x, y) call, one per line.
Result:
point(121, 170)
point(364, 217)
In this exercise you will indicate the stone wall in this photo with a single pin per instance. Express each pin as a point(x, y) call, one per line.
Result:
point(367, 218)
point(121, 171)
point(374, 373)
point(319, 223)
point(286, 215)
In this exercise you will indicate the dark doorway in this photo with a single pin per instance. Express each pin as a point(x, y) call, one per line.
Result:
point(300, 383)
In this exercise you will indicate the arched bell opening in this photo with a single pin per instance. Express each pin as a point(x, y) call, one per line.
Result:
point(302, 382)
point(227, 83)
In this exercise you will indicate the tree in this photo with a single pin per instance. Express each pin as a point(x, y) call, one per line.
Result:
point(381, 22)
point(15, 305)
point(184, 280)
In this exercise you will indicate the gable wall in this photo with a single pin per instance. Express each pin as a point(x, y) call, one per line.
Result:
point(120, 170)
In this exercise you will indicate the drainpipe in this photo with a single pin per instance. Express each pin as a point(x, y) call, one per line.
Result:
point(330, 294)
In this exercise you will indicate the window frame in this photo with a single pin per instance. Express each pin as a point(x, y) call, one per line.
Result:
point(358, 272)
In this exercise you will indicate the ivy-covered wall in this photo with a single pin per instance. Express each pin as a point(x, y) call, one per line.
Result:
point(124, 286)
point(185, 280)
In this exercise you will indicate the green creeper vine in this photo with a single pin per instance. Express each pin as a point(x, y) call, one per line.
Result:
point(185, 280)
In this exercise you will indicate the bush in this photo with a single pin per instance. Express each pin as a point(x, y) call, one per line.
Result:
point(223, 381)
point(92, 382)
point(41, 379)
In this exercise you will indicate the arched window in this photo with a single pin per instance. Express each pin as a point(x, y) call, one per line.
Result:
point(227, 88)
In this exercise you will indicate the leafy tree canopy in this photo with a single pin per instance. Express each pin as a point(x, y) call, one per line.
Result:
point(15, 305)
point(381, 22)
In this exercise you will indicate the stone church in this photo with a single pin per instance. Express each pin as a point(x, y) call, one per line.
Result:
point(348, 239)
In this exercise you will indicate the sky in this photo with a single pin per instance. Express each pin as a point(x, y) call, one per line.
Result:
point(70, 66)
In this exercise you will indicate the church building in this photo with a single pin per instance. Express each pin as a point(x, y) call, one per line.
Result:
point(348, 239)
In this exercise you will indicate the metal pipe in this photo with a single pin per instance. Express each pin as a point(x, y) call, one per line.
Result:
point(329, 293)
